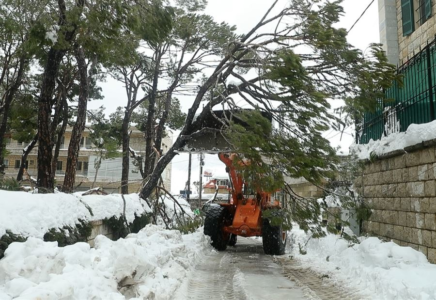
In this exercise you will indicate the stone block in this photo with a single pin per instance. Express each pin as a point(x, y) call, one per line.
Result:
point(396, 204)
point(375, 216)
point(430, 171)
point(400, 162)
point(378, 191)
point(432, 205)
point(393, 218)
point(407, 233)
point(402, 218)
point(425, 205)
point(426, 156)
point(415, 204)
point(434, 170)
point(402, 190)
point(413, 174)
point(405, 204)
point(399, 232)
point(411, 219)
point(382, 229)
point(416, 189)
point(387, 177)
point(423, 250)
point(433, 239)
point(431, 255)
point(405, 175)
point(430, 221)
point(385, 165)
point(426, 238)
point(374, 228)
point(412, 159)
point(397, 175)
point(413, 246)
point(420, 220)
point(423, 172)
point(430, 188)
point(416, 236)
point(389, 231)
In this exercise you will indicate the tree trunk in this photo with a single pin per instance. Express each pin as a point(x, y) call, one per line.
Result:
point(97, 167)
point(149, 130)
point(64, 109)
point(45, 180)
point(7, 105)
point(126, 158)
point(26, 152)
point(79, 126)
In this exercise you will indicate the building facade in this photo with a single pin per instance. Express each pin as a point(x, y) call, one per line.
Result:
point(109, 174)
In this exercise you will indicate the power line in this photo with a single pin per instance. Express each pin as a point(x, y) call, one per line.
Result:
point(361, 16)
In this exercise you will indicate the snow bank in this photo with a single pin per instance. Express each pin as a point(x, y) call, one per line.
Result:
point(34, 214)
point(148, 265)
point(415, 134)
point(383, 270)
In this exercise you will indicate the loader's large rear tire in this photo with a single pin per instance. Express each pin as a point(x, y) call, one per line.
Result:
point(213, 227)
point(273, 238)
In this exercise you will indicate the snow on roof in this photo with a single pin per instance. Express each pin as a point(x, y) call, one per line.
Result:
point(415, 134)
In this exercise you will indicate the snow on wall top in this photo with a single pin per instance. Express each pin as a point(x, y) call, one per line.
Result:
point(415, 134)
point(34, 214)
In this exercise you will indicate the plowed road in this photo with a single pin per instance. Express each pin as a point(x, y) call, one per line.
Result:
point(244, 272)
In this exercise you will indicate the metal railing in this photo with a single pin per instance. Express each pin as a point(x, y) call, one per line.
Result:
point(413, 103)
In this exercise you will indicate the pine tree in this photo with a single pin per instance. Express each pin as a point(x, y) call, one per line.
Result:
point(287, 67)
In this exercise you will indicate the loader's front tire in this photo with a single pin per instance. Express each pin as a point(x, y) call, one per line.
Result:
point(273, 238)
point(213, 227)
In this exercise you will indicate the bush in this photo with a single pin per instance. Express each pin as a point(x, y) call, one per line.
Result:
point(68, 235)
point(121, 228)
point(7, 239)
point(10, 184)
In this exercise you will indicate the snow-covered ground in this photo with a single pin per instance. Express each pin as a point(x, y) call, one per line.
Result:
point(382, 270)
point(155, 262)
point(149, 265)
point(415, 134)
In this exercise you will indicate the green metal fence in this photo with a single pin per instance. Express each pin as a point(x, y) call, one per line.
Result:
point(412, 103)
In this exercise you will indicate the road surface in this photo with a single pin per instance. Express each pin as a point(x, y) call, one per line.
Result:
point(245, 272)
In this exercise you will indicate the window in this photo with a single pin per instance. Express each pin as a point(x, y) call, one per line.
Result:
point(62, 142)
point(32, 163)
point(414, 13)
point(423, 11)
point(85, 166)
point(6, 163)
point(17, 164)
point(79, 166)
point(59, 166)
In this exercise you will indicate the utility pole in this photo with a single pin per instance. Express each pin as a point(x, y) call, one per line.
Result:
point(200, 188)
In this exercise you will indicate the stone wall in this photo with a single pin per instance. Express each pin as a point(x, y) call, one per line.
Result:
point(99, 228)
point(400, 189)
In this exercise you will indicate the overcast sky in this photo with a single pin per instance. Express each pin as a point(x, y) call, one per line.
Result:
point(244, 14)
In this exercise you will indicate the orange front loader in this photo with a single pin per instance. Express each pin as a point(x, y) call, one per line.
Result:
point(243, 215)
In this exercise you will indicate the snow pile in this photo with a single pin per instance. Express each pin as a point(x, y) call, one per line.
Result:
point(415, 134)
point(383, 270)
point(148, 265)
point(34, 214)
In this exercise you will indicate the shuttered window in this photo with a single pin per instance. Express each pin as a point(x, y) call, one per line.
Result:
point(407, 16)
point(427, 9)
